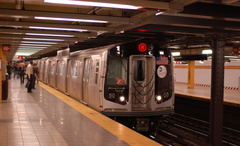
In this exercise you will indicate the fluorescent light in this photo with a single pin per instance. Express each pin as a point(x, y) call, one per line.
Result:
point(56, 35)
point(54, 28)
point(38, 42)
point(30, 47)
point(70, 19)
point(206, 51)
point(176, 53)
point(161, 52)
point(159, 13)
point(231, 56)
point(39, 39)
point(25, 53)
point(34, 45)
point(94, 4)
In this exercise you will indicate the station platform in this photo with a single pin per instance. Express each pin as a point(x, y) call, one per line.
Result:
point(46, 117)
point(231, 97)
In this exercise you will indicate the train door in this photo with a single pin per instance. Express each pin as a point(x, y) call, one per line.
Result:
point(68, 76)
point(94, 95)
point(56, 73)
point(48, 72)
point(85, 81)
point(141, 81)
point(42, 71)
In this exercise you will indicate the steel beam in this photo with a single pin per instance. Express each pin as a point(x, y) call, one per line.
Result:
point(32, 14)
point(217, 90)
point(58, 25)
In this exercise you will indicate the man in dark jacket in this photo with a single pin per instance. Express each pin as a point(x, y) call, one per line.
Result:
point(21, 74)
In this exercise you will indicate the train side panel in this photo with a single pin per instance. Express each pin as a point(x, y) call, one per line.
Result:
point(47, 71)
point(88, 84)
point(95, 87)
point(51, 71)
point(75, 76)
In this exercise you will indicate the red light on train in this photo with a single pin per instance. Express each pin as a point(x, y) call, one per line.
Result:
point(142, 30)
point(142, 47)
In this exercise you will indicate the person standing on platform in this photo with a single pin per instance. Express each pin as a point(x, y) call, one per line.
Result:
point(9, 70)
point(37, 72)
point(29, 72)
point(21, 73)
point(34, 75)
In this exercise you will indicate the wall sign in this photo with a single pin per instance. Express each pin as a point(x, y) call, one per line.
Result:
point(6, 48)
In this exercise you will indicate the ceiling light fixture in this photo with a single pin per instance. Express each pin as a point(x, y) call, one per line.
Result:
point(30, 42)
point(26, 53)
point(54, 28)
point(159, 13)
point(70, 19)
point(206, 51)
point(54, 35)
point(34, 45)
point(176, 53)
point(26, 49)
point(39, 39)
point(94, 4)
point(30, 47)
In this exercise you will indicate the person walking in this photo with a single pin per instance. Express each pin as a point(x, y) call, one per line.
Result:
point(29, 72)
point(21, 73)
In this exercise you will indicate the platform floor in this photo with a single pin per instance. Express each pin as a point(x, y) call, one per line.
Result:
point(47, 117)
point(230, 96)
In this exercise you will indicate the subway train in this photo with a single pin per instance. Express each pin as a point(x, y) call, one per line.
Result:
point(133, 79)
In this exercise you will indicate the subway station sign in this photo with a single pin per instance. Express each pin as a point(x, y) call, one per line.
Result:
point(6, 48)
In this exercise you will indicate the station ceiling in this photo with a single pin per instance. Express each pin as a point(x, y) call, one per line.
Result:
point(177, 24)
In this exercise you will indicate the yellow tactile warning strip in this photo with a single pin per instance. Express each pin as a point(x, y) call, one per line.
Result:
point(129, 136)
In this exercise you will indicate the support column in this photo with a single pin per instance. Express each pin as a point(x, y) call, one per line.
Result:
point(3, 59)
point(191, 67)
point(217, 89)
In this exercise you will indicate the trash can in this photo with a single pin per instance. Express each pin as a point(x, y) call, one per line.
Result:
point(5, 88)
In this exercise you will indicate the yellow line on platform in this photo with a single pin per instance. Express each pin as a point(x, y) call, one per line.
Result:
point(126, 134)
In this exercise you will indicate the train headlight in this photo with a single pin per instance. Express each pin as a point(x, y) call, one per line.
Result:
point(122, 98)
point(158, 98)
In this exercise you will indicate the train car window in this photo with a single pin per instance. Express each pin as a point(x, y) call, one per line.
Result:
point(52, 69)
point(62, 68)
point(97, 71)
point(139, 70)
point(117, 72)
point(86, 70)
point(75, 70)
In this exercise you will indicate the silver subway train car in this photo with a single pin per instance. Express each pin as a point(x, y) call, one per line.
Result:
point(132, 79)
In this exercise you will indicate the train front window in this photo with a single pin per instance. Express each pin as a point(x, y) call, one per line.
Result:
point(117, 72)
point(139, 70)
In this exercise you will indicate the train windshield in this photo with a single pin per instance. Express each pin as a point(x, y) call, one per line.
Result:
point(117, 72)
